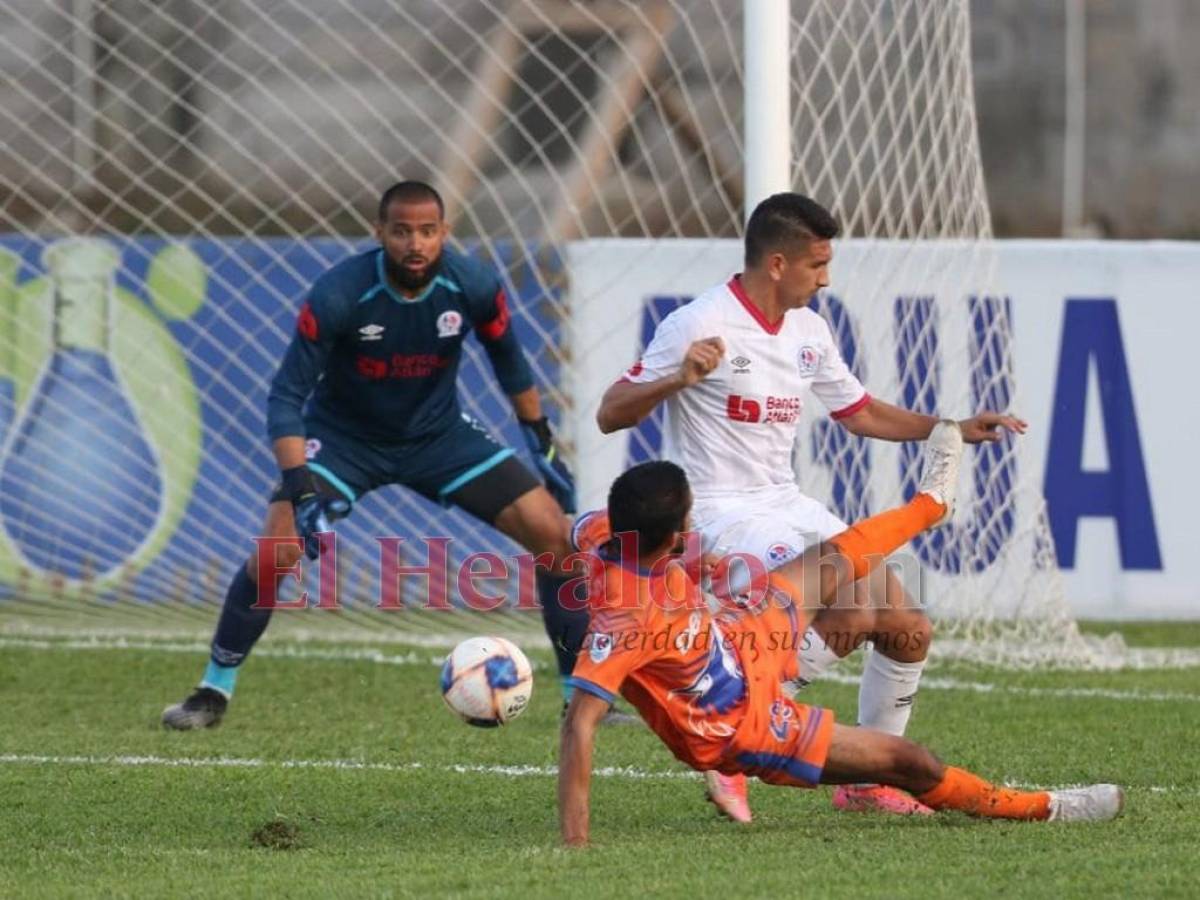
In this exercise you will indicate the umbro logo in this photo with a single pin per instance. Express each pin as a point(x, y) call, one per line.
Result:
point(370, 333)
point(741, 365)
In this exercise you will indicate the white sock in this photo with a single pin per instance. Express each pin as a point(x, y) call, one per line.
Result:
point(885, 695)
point(815, 657)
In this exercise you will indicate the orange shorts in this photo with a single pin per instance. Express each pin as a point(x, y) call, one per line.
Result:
point(780, 741)
point(786, 743)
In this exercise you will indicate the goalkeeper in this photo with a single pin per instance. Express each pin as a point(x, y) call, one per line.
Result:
point(377, 346)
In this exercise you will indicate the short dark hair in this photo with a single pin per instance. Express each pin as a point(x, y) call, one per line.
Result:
point(651, 500)
point(785, 222)
point(410, 192)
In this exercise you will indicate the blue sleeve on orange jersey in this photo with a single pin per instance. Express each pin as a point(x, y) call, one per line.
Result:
point(591, 687)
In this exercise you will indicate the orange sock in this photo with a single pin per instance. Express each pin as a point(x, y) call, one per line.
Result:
point(866, 543)
point(959, 789)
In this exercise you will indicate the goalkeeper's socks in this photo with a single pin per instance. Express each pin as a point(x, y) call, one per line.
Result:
point(964, 791)
point(238, 630)
point(566, 628)
point(222, 679)
point(866, 543)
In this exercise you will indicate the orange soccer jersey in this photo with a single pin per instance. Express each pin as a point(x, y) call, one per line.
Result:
point(709, 686)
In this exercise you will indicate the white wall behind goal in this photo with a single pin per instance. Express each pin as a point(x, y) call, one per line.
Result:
point(1103, 336)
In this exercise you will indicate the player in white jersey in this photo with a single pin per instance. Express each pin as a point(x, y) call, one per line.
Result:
point(734, 368)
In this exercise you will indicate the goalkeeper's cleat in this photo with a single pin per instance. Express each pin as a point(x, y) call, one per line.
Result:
point(203, 709)
point(728, 793)
point(878, 798)
point(1094, 803)
point(939, 474)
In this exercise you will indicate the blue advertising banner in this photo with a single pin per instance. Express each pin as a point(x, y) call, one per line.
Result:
point(133, 383)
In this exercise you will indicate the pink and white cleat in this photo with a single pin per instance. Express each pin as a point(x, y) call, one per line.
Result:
point(728, 794)
point(878, 798)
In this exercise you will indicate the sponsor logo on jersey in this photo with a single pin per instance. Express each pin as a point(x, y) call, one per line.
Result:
point(781, 719)
point(311, 448)
point(808, 359)
point(785, 410)
point(635, 370)
point(370, 332)
point(399, 365)
point(741, 365)
point(602, 645)
point(779, 410)
point(449, 323)
point(743, 409)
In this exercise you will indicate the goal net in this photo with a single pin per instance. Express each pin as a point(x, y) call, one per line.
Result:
point(177, 172)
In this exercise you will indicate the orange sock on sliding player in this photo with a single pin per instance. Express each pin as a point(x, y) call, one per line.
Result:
point(866, 543)
point(961, 790)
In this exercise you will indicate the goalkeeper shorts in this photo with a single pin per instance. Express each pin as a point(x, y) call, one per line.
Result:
point(463, 465)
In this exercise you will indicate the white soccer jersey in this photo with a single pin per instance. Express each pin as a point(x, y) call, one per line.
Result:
point(733, 432)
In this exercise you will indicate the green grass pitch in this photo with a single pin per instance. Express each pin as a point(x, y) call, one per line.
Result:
point(422, 805)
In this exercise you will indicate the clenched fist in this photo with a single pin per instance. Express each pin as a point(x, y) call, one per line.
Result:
point(701, 359)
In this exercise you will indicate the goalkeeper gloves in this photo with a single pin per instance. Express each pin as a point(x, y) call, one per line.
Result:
point(313, 513)
point(558, 478)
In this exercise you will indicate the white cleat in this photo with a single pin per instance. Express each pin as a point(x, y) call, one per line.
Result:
point(1094, 803)
point(939, 475)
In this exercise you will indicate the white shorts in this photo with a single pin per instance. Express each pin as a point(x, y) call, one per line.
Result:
point(774, 531)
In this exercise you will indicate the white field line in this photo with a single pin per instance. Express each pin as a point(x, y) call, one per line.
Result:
point(1126, 658)
point(380, 657)
point(339, 637)
point(353, 765)
point(348, 765)
point(197, 647)
point(985, 687)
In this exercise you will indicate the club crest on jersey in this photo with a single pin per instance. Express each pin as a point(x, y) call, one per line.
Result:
point(449, 324)
point(781, 720)
point(778, 554)
point(808, 359)
point(370, 333)
point(602, 645)
point(311, 448)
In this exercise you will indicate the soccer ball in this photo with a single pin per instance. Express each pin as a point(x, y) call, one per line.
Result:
point(487, 681)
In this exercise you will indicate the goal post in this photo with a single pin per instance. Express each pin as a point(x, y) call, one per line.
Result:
point(767, 90)
point(177, 172)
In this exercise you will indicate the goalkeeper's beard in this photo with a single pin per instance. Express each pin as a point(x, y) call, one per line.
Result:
point(408, 280)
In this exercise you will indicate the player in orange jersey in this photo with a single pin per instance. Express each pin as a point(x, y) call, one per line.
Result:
point(711, 685)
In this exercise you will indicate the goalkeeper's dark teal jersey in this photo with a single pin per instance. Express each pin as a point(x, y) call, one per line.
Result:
point(383, 367)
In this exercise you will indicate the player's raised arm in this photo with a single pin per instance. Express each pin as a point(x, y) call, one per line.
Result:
point(575, 765)
point(861, 414)
point(628, 402)
point(891, 423)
